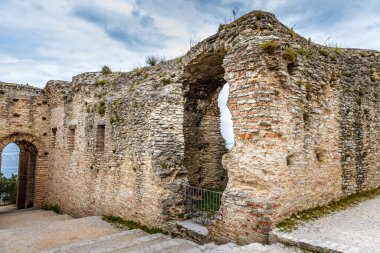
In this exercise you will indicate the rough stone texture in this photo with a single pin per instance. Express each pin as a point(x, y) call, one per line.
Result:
point(306, 130)
point(24, 120)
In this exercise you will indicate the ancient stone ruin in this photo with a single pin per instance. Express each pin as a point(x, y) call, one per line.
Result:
point(305, 120)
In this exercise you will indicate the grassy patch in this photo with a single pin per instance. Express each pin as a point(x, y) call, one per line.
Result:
point(269, 47)
point(289, 55)
point(324, 52)
point(102, 108)
point(320, 211)
point(132, 225)
point(101, 82)
point(54, 208)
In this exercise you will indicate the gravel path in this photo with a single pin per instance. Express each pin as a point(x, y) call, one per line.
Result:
point(357, 228)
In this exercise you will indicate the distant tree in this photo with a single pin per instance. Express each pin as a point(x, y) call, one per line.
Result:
point(8, 188)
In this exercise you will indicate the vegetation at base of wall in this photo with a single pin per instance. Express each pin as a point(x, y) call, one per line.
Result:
point(54, 208)
point(120, 222)
point(8, 189)
point(320, 211)
point(269, 47)
point(106, 70)
point(102, 108)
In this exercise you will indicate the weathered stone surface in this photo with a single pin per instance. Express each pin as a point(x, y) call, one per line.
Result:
point(305, 125)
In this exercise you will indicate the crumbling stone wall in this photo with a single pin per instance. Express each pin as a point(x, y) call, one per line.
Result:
point(305, 121)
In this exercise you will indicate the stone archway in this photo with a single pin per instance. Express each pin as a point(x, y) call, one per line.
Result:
point(33, 169)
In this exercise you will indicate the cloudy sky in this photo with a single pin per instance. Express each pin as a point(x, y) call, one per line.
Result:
point(42, 40)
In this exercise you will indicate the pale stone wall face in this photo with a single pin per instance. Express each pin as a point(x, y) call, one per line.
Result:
point(306, 130)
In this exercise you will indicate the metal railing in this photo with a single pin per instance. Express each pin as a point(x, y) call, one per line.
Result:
point(202, 204)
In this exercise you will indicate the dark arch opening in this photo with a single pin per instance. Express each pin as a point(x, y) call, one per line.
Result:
point(26, 168)
point(204, 143)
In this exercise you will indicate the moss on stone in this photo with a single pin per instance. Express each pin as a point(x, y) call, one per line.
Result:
point(120, 222)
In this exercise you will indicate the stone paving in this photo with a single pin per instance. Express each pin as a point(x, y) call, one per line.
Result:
point(353, 230)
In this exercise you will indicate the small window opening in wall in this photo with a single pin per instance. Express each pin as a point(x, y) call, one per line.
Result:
point(43, 118)
point(71, 138)
point(15, 100)
point(53, 137)
point(226, 124)
point(2, 92)
point(100, 136)
point(16, 115)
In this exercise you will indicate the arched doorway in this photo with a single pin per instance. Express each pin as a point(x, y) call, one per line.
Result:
point(26, 163)
point(9, 171)
point(32, 169)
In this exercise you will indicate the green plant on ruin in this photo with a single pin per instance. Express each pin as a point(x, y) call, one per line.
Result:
point(166, 81)
point(292, 33)
point(301, 51)
point(112, 120)
point(179, 59)
point(308, 86)
point(309, 40)
point(258, 27)
point(337, 50)
point(324, 52)
point(119, 222)
point(164, 165)
point(101, 82)
point(153, 60)
point(102, 108)
point(259, 15)
point(221, 27)
point(314, 213)
point(363, 54)
point(106, 70)
point(146, 75)
point(55, 208)
point(269, 47)
point(348, 74)
point(289, 55)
